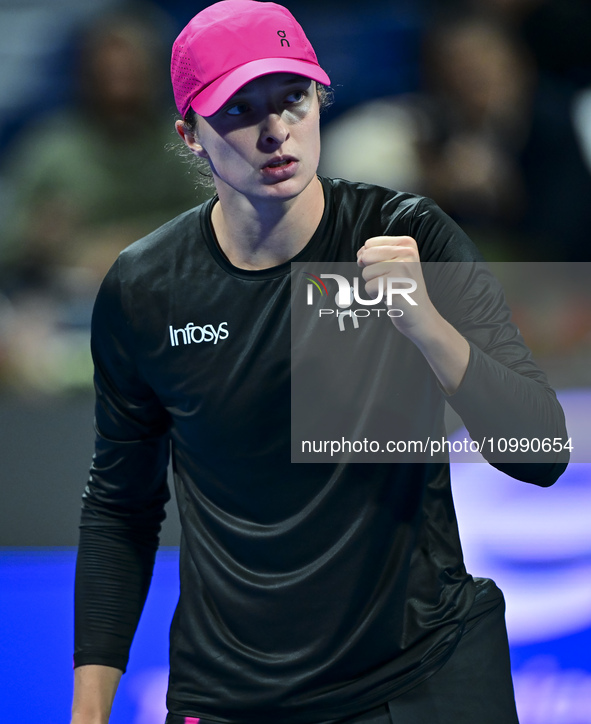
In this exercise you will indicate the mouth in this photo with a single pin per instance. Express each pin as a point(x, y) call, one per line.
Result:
point(279, 162)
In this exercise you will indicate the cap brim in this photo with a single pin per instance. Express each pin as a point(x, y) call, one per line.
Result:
point(213, 97)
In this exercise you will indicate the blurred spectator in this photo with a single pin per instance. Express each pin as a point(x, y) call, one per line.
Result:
point(85, 183)
point(92, 179)
point(481, 83)
point(555, 31)
point(491, 140)
point(504, 152)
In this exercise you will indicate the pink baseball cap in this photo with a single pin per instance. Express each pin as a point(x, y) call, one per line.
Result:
point(232, 42)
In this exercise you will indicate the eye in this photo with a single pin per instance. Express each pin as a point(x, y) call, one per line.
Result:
point(296, 96)
point(237, 109)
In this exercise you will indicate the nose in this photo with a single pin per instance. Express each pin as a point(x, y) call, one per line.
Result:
point(274, 130)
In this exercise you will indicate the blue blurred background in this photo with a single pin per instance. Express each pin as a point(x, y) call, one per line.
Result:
point(484, 105)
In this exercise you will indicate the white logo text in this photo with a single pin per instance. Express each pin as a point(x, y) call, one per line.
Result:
point(192, 333)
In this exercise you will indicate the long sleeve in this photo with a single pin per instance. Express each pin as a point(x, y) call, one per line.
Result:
point(500, 402)
point(504, 394)
point(123, 504)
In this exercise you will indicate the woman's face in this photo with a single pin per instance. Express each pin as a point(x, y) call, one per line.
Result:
point(264, 143)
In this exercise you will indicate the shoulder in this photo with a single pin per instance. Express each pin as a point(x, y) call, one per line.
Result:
point(148, 271)
point(371, 199)
point(401, 213)
point(166, 246)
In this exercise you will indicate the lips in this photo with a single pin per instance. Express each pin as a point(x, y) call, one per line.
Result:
point(279, 161)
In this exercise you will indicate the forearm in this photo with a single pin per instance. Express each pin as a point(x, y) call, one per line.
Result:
point(113, 574)
point(94, 692)
point(446, 351)
point(123, 508)
point(496, 401)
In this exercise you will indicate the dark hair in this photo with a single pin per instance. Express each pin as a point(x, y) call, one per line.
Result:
point(191, 120)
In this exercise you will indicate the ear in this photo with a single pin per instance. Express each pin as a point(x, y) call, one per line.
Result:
point(190, 139)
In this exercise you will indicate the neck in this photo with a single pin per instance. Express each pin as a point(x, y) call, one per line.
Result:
point(260, 235)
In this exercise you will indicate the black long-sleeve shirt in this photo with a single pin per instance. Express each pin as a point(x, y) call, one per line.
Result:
point(308, 592)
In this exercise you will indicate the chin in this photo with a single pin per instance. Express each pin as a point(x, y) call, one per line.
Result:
point(290, 188)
